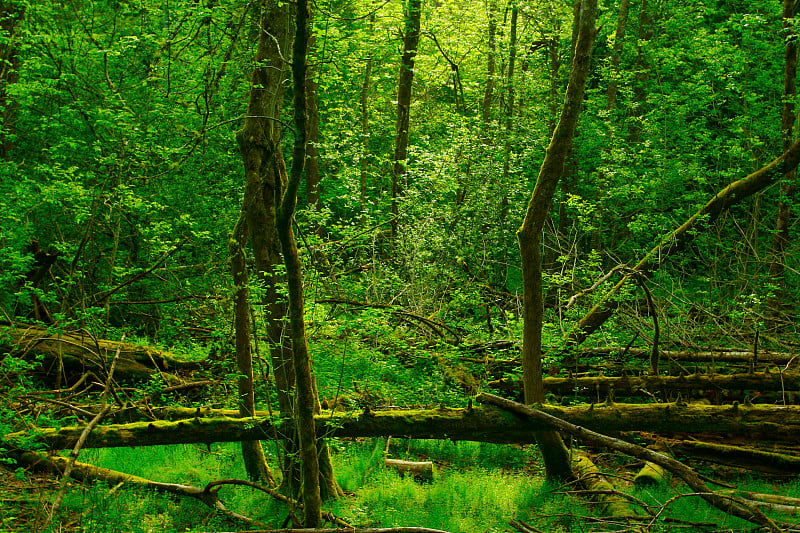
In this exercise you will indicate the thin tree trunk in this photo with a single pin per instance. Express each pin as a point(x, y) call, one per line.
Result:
point(611, 104)
point(404, 84)
point(510, 95)
point(557, 463)
point(488, 93)
point(616, 53)
point(364, 101)
point(781, 238)
point(254, 460)
point(306, 401)
point(312, 150)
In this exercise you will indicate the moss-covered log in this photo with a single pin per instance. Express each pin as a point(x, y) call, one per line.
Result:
point(484, 424)
point(739, 456)
point(760, 381)
point(78, 352)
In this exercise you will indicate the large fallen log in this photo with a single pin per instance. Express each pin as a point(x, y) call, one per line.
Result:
point(79, 352)
point(759, 381)
point(483, 424)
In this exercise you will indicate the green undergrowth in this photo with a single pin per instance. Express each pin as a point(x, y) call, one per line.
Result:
point(477, 487)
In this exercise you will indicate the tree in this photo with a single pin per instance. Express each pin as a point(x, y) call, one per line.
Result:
point(404, 84)
point(529, 235)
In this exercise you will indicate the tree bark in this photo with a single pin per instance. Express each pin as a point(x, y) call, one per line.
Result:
point(364, 102)
point(789, 184)
point(312, 150)
point(679, 237)
point(253, 454)
point(404, 84)
point(529, 235)
point(604, 385)
point(78, 352)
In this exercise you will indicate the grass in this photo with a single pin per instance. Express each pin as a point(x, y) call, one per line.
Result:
point(477, 488)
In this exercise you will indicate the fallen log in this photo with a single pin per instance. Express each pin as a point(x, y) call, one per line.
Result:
point(482, 424)
point(727, 504)
point(605, 494)
point(78, 352)
point(738, 456)
point(691, 356)
point(759, 381)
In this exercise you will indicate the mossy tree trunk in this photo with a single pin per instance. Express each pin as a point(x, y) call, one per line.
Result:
point(404, 84)
point(305, 398)
point(259, 145)
point(556, 457)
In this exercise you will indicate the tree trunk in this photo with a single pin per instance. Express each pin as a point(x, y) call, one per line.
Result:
point(555, 454)
point(781, 238)
point(306, 401)
point(510, 94)
point(679, 237)
point(405, 81)
point(364, 101)
point(312, 150)
point(488, 92)
point(259, 145)
point(254, 460)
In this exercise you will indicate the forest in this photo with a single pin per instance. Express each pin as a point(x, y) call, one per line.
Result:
point(399, 266)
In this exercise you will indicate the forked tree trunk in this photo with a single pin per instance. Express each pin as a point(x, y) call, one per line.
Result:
point(404, 83)
point(556, 457)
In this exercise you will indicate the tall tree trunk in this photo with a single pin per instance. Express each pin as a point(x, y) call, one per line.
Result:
point(616, 53)
point(364, 101)
point(306, 400)
point(254, 460)
point(510, 94)
point(642, 74)
point(312, 155)
point(405, 81)
point(554, 452)
point(259, 145)
point(781, 238)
